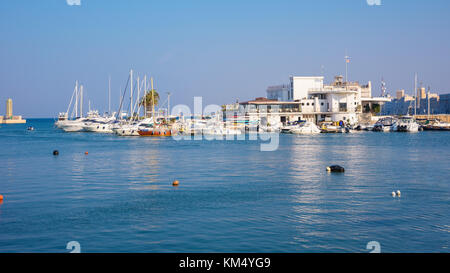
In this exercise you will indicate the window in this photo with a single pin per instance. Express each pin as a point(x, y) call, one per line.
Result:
point(307, 103)
point(343, 107)
point(312, 104)
point(321, 103)
point(303, 104)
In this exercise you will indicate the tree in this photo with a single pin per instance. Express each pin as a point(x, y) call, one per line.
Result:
point(147, 100)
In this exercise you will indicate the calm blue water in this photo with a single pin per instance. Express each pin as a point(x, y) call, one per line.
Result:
point(231, 198)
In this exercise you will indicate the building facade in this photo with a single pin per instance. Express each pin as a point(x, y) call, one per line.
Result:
point(308, 98)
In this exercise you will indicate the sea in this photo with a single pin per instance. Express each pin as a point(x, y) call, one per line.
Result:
point(231, 197)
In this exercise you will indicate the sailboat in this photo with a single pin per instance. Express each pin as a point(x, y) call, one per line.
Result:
point(76, 124)
point(155, 129)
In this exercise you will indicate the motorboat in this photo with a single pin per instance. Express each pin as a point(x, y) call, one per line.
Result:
point(407, 124)
point(306, 128)
point(388, 124)
point(330, 127)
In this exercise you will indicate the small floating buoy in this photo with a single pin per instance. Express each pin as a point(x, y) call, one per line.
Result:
point(31, 128)
point(175, 183)
point(55, 152)
point(86, 153)
point(399, 193)
point(335, 169)
point(1, 197)
point(393, 194)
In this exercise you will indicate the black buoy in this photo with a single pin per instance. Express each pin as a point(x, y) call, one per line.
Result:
point(55, 152)
point(335, 169)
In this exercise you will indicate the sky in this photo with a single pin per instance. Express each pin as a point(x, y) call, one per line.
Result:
point(222, 51)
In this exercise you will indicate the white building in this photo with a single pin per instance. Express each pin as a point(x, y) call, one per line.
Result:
point(308, 98)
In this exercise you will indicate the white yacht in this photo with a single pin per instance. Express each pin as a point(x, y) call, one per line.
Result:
point(407, 124)
point(131, 129)
point(307, 128)
point(388, 124)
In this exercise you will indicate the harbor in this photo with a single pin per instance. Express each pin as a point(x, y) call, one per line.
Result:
point(224, 136)
point(305, 106)
point(230, 197)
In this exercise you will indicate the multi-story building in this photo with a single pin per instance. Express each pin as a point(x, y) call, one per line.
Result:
point(308, 98)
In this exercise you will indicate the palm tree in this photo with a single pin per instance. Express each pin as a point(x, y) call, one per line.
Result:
point(150, 100)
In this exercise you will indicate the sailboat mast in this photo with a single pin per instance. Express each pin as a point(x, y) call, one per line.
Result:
point(415, 90)
point(153, 100)
point(81, 101)
point(131, 92)
point(145, 96)
point(109, 95)
point(76, 100)
point(168, 104)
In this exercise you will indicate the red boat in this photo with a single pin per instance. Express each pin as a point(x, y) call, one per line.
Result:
point(158, 131)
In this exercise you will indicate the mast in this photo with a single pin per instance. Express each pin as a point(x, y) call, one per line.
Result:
point(76, 99)
point(137, 98)
point(168, 104)
point(347, 61)
point(415, 90)
point(109, 95)
point(81, 101)
point(71, 99)
point(153, 100)
point(145, 96)
point(131, 92)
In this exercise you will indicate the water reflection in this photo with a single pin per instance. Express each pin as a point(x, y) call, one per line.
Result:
point(145, 165)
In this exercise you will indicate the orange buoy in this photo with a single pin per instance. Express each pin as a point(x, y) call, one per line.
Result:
point(175, 183)
point(86, 153)
point(1, 197)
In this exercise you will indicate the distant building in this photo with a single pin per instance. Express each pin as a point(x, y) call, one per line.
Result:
point(400, 94)
point(426, 103)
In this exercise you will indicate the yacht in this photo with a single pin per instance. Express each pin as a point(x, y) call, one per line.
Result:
point(407, 124)
point(388, 124)
point(132, 129)
point(306, 128)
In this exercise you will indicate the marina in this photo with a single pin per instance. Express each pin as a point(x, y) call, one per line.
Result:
point(230, 197)
point(224, 136)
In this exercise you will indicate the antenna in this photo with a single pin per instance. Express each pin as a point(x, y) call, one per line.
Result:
point(347, 61)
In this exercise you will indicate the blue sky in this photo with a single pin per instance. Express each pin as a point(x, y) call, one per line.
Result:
point(220, 50)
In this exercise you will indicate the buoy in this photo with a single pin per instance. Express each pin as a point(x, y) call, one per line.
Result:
point(55, 152)
point(393, 194)
point(175, 183)
point(335, 169)
point(399, 193)
point(1, 197)
point(86, 153)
